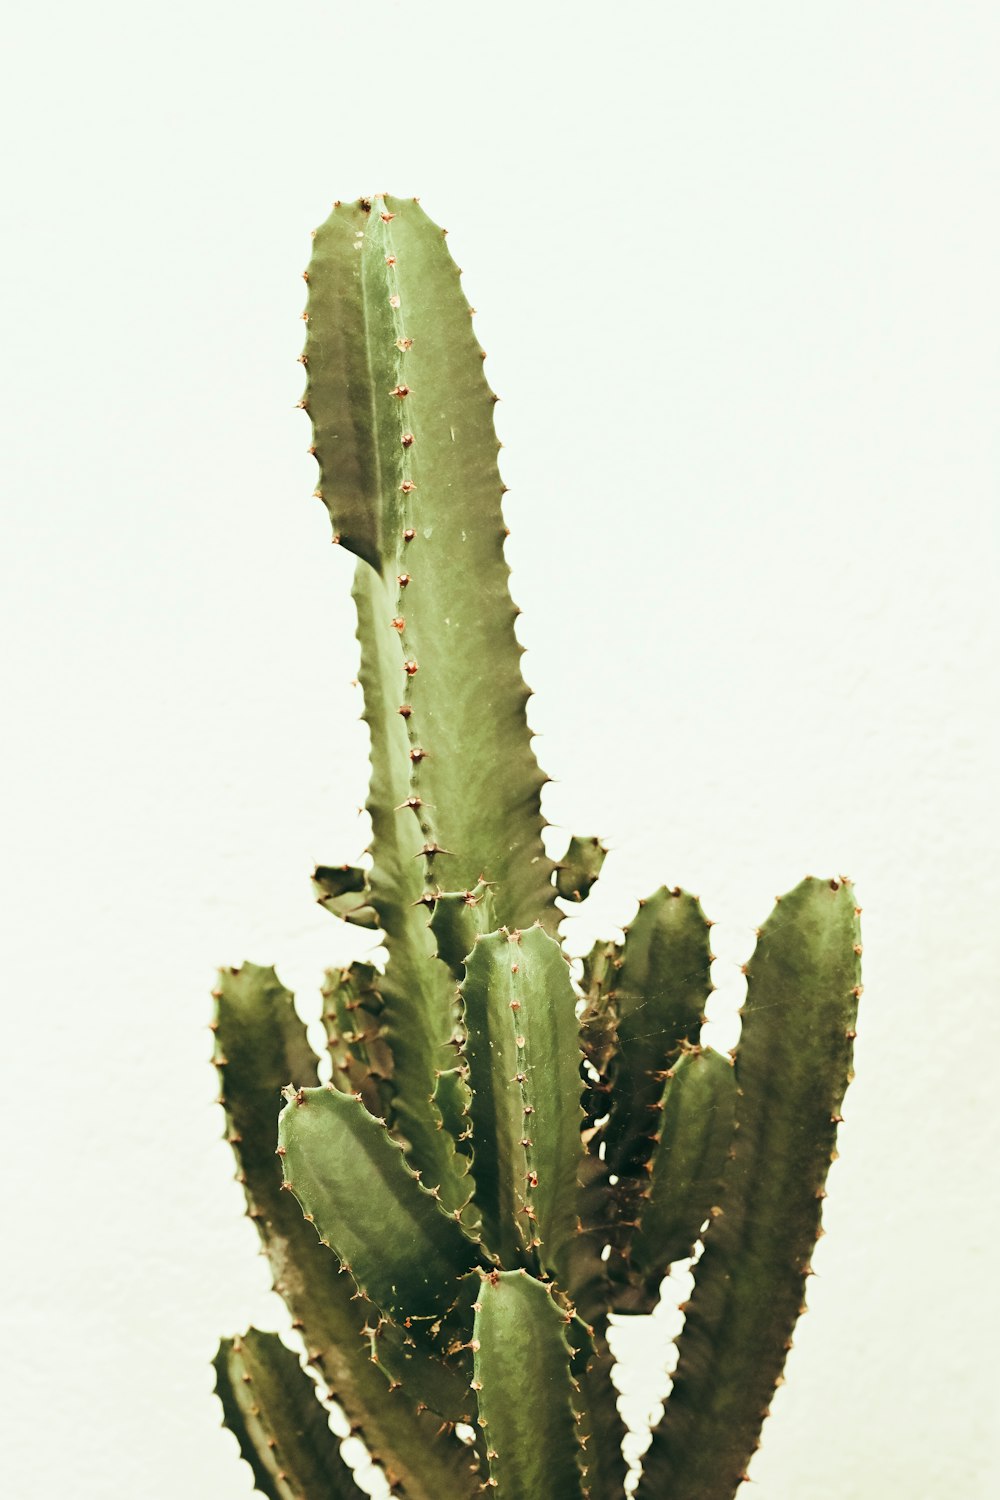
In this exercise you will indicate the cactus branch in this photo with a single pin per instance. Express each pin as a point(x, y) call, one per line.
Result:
point(404, 437)
point(405, 1253)
point(660, 993)
point(695, 1135)
point(419, 1011)
point(524, 1072)
point(525, 1390)
point(270, 1404)
point(792, 1067)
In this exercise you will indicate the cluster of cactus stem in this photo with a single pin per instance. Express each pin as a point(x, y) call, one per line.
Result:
point(507, 1151)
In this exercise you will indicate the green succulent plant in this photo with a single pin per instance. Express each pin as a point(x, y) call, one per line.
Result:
point(503, 1156)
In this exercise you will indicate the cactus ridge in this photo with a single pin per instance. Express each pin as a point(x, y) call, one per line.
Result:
point(503, 1158)
point(270, 1404)
point(600, 1429)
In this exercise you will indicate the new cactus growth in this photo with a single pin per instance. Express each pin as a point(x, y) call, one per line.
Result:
point(503, 1157)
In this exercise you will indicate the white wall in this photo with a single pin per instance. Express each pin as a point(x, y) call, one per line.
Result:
point(736, 272)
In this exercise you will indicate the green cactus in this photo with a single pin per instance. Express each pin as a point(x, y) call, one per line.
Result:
point(503, 1157)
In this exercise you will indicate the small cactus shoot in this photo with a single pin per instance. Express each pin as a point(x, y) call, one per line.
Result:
point(503, 1157)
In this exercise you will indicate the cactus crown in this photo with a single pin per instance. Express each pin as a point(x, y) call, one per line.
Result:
point(503, 1157)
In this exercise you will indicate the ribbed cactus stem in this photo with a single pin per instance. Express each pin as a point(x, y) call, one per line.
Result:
point(793, 1065)
point(525, 1390)
point(404, 437)
point(270, 1405)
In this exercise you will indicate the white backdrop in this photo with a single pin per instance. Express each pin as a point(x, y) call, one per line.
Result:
point(736, 272)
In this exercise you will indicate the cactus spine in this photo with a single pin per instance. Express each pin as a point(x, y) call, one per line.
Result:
point(501, 1159)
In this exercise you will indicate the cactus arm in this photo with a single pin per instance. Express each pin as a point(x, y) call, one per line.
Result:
point(524, 1072)
point(793, 1065)
point(271, 1406)
point(342, 388)
point(499, 1129)
point(660, 995)
point(419, 1009)
point(342, 890)
point(405, 419)
point(695, 1134)
point(576, 873)
point(349, 1175)
point(478, 771)
point(457, 920)
point(259, 1044)
point(525, 1391)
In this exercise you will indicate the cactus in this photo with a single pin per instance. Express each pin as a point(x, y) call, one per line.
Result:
point(504, 1157)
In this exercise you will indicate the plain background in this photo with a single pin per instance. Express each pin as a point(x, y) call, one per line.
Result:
point(736, 266)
